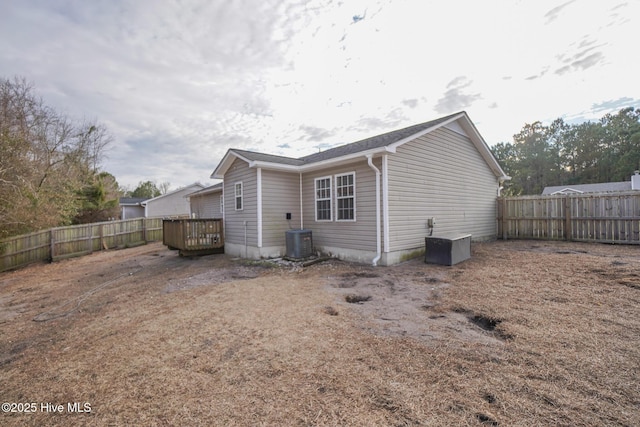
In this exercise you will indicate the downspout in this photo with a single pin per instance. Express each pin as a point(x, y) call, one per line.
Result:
point(385, 202)
point(245, 239)
point(224, 216)
point(301, 215)
point(378, 243)
point(259, 205)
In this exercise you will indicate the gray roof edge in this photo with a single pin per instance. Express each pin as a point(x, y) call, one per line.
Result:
point(598, 187)
point(377, 143)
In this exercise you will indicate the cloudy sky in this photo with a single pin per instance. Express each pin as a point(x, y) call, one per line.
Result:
point(178, 82)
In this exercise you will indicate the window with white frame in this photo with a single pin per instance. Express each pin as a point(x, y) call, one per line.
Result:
point(238, 195)
point(346, 197)
point(323, 199)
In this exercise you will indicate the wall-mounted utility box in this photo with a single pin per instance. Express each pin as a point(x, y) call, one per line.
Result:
point(299, 244)
point(447, 249)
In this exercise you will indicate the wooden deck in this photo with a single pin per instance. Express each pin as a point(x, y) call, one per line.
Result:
point(193, 236)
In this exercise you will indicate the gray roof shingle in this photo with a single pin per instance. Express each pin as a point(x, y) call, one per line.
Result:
point(355, 147)
point(374, 142)
point(261, 157)
point(602, 187)
point(132, 200)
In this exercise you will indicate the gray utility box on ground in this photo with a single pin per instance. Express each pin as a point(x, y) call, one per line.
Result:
point(447, 249)
point(299, 244)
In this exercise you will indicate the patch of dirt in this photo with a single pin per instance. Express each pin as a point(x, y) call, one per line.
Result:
point(525, 332)
point(404, 301)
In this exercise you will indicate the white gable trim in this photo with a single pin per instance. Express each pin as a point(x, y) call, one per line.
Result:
point(337, 161)
point(463, 123)
point(395, 145)
point(459, 122)
point(226, 163)
point(455, 127)
point(197, 184)
point(567, 190)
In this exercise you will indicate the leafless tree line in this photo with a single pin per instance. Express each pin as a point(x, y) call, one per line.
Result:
point(47, 161)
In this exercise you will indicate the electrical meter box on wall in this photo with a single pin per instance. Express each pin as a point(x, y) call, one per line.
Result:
point(447, 249)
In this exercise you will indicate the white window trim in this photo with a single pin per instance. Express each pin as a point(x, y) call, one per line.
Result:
point(316, 200)
point(354, 196)
point(235, 195)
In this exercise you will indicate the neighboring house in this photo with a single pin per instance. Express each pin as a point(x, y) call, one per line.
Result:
point(604, 187)
point(174, 204)
point(131, 207)
point(207, 203)
point(374, 200)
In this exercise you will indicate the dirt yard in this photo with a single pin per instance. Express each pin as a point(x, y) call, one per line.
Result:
point(525, 333)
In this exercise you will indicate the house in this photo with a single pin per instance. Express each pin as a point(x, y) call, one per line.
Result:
point(131, 207)
point(373, 200)
point(174, 204)
point(207, 203)
point(604, 187)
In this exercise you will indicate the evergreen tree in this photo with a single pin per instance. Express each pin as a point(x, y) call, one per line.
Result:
point(558, 154)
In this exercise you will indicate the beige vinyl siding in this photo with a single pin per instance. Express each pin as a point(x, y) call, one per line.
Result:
point(234, 220)
point(206, 205)
point(130, 212)
point(359, 234)
point(280, 194)
point(172, 205)
point(440, 175)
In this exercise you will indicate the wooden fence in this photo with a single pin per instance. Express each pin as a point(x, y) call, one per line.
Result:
point(595, 217)
point(63, 242)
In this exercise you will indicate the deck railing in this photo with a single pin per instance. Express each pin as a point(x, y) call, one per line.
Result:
point(193, 235)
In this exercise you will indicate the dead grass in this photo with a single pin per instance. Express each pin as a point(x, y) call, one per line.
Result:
point(524, 333)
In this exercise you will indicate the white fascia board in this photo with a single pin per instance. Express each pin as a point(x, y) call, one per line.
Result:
point(483, 148)
point(174, 192)
point(226, 163)
point(319, 165)
point(474, 135)
point(345, 159)
point(566, 191)
point(397, 144)
point(273, 166)
point(206, 192)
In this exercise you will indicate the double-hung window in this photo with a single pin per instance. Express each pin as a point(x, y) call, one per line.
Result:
point(238, 195)
point(323, 199)
point(346, 197)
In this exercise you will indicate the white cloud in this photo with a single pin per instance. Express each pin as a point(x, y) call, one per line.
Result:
point(178, 83)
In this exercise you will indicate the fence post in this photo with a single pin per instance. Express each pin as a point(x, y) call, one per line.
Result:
point(504, 218)
point(52, 244)
point(568, 232)
point(144, 230)
point(102, 237)
point(90, 238)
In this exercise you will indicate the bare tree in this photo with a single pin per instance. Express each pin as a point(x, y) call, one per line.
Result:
point(46, 161)
point(164, 187)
